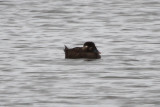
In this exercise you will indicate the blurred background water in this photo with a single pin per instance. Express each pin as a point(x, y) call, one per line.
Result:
point(34, 72)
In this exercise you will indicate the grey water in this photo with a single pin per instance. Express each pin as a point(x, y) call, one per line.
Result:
point(35, 73)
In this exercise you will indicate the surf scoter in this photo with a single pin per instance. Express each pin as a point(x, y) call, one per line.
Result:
point(88, 50)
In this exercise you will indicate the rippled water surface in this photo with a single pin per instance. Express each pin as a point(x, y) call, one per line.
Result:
point(34, 72)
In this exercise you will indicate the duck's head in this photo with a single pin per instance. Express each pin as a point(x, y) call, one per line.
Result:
point(90, 47)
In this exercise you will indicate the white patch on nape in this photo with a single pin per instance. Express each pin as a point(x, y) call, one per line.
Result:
point(86, 46)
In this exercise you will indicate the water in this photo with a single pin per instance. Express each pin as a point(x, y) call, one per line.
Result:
point(34, 72)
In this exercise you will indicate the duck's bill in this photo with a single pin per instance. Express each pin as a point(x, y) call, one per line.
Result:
point(97, 51)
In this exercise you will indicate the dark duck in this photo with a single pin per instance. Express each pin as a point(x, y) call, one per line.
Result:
point(88, 51)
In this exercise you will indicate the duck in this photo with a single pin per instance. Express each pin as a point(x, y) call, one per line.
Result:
point(89, 51)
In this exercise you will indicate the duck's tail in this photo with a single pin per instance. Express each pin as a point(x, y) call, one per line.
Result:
point(66, 51)
point(66, 48)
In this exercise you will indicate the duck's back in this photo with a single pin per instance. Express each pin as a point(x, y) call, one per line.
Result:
point(73, 53)
point(78, 52)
